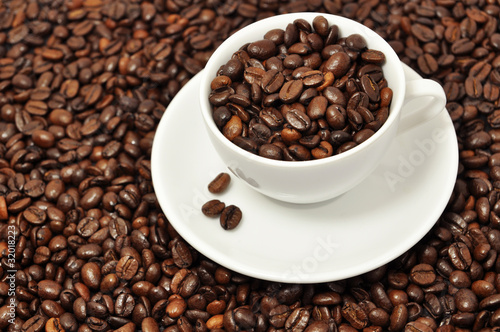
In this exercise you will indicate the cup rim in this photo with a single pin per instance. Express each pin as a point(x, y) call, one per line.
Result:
point(232, 44)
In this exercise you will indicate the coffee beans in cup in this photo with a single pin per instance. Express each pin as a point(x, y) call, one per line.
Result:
point(301, 93)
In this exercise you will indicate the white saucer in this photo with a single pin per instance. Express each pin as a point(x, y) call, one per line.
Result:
point(365, 228)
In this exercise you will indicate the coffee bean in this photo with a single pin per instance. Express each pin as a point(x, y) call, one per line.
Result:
point(35, 215)
point(219, 183)
point(149, 325)
point(127, 267)
point(34, 324)
point(272, 81)
point(460, 255)
point(181, 254)
point(338, 64)
point(370, 88)
point(422, 32)
point(230, 217)
point(213, 208)
point(262, 49)
point(91, 275)
point(298, 120)
point(49, 289)
point(233, 128)
point(423, 274)
point(291, 91)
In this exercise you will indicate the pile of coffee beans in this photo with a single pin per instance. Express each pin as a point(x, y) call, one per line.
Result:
point(84, 245)
point(301, 93)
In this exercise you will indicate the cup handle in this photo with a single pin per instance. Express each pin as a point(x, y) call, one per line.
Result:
point(424, 99)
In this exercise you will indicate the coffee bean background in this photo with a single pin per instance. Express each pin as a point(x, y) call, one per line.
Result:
point(83, 85)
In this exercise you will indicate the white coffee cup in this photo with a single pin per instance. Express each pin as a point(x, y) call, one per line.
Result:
point(311, 181)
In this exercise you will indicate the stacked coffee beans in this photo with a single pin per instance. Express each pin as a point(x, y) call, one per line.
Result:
point(83, 84)
point(301, 93)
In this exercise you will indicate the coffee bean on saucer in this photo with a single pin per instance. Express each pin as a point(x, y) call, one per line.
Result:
point(213, 208)
point(219, 183)
point(230, 217)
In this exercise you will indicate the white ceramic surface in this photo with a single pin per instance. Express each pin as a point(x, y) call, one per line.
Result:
point(369, 226)
point(318, 180)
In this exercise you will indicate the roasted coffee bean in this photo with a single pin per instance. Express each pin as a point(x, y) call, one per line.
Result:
point(91, 275)
point(254, 75)
point(219, 183)
point(423, 274)
point(291, 91)
point(34, 324)
point(127, 267)
point(272, 81)
point(298, 120)
point(149, 325)
point(262, 49)
point(460, 256)
point(213, 208)
point(49, 289)
point(370, 88)
point(230, 217)
point(338, 63)
point(181, 253)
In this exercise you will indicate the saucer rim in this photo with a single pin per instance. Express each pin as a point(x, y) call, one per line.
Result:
point(214, 254)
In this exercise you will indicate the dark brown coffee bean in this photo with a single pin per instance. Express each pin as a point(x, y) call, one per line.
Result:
point(35, 215)
point(149, 325)
point(473, 87)
point(422, 32)
point(272, 81)
point(317, 107)
point(298, 120)
point(35, 107)
point(181, 253)
point(298, 319)
point(219, 183)
point(373, 56)
point(462, 46)
point(370, 88)
point(291, 91)
point(313, 78)
point(91, 275)
point(466, 300)
point(271, 151)
point(49, 289)
point(271, 117)
point(338, 64)
point(354, 315)
point(127, 267)
point(248, 144)
point(34, 324)
point(230, 217)
point(221, 116)
point(460, 256)
point(423, 274)
point(262, 49)
point(213, 208)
